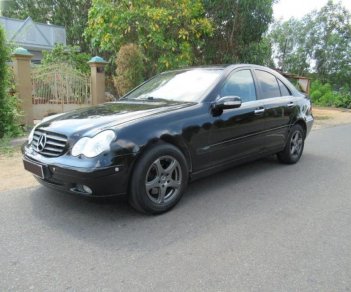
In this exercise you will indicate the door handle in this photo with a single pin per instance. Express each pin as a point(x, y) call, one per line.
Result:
point(259, 111)
point(291, 104)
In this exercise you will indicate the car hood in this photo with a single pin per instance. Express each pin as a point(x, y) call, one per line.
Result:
point(89, 121)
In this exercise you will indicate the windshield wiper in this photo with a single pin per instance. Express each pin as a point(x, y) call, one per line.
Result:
point(149, 98)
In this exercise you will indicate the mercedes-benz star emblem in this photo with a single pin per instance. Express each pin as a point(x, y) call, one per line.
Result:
point(41, 143)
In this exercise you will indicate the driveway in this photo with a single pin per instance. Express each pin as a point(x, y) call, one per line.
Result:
point(259, 227)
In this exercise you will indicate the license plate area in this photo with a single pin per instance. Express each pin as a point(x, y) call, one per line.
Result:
point(34, 168)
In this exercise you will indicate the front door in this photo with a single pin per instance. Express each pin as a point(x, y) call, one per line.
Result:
point(238, 133)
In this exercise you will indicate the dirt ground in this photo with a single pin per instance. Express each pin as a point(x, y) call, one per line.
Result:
point(329, 117)
point(13, 176)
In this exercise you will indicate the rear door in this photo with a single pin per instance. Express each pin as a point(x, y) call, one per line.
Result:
point(280, 108)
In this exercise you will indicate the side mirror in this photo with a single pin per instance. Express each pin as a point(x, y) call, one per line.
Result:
point(227, 102)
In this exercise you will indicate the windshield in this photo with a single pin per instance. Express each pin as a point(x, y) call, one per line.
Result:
point(177, 85)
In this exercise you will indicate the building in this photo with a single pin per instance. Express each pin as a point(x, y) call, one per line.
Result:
point(35, 37)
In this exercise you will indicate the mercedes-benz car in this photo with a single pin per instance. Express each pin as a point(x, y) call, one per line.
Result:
point(176, 127)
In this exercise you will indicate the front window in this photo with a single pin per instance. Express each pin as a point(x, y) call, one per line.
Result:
point(240, 84)
point(187, 85)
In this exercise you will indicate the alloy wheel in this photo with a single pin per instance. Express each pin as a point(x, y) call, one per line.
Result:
point(296, 144)
point(163, 179)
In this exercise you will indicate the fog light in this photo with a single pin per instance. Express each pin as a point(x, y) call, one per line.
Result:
point(82, 189)
point(87, 190)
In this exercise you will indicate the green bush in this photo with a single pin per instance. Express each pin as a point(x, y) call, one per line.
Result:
point(69, 55)
point(324, 95)
point(130, 68)
point(316, 95)
point(326, 88)
point(9, 113)
point(327, 99)
point(343, 100)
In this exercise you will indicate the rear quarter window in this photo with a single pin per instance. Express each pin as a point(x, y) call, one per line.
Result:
point(283, 89)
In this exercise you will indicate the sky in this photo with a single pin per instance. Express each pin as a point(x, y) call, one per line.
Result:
point(298, 8)
point(293, 8)
point(286, 9)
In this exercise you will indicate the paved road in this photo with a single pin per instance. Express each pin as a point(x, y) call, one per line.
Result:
point(259, 227)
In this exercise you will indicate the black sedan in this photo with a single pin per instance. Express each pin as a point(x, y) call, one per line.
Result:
point(178, 126)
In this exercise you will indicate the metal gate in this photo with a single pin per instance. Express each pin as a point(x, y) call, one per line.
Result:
point(59, 88)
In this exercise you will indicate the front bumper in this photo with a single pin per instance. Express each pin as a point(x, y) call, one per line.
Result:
point(102, 182)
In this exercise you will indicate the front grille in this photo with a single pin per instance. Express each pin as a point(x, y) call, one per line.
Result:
point(49, 144)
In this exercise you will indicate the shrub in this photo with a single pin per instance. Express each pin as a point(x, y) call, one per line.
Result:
point(9, 113)
point(67, 54)
point(343, 100)
point(130, 68)
point(326, 89)
point(327, 99)
point(316, 95)
point(324, 95)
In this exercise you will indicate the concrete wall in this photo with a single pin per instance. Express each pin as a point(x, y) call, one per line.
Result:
point(41, 111)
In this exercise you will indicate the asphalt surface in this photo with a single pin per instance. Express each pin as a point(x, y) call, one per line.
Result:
point(259, 227)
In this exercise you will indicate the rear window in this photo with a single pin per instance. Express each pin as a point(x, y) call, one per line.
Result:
point(268, 83)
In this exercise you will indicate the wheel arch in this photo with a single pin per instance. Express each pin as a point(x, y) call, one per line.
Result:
point(164, 139)
point(178, 143)
point(303, 124)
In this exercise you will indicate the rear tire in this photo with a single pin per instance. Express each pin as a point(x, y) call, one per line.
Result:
point(159, 179)
point(294, 146)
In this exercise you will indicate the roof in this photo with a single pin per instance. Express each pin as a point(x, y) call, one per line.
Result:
point(291, 75)
point(32, 35)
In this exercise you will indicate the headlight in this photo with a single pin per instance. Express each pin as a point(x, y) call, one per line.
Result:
point(91, 147)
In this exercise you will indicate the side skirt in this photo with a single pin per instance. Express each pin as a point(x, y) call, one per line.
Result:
point(223, 166)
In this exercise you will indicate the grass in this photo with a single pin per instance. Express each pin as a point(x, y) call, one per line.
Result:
point(320, 118)
point(7, 148)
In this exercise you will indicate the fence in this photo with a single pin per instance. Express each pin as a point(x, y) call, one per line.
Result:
point(59, 88)
point(46, 90)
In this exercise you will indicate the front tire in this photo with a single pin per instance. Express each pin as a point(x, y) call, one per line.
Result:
point(159, 179)
point(294, 146)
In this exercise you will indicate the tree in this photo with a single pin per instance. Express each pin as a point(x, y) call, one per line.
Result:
point(72, 14)
point(169, 33)
point(239, 28)
point(3, 81)
point(287, 40)
point(9, 114)
point(319, 43)
point(129, 72)
point(330, 38)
